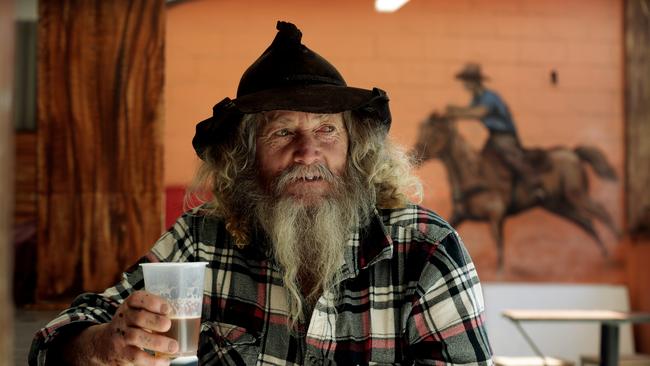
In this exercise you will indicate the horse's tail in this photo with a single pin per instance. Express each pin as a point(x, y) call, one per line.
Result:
point(597, 160)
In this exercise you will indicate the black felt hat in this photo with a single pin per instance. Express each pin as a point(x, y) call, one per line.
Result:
point(289, 76)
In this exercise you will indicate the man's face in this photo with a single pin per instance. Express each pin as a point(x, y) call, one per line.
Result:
point(471, 85)
point(303, 140)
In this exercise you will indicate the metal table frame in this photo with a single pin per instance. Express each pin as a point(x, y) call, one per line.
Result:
point(609, 326)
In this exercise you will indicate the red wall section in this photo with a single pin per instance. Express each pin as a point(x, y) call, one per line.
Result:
point(413, 54)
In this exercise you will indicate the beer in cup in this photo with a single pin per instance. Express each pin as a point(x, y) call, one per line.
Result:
point(181, 285)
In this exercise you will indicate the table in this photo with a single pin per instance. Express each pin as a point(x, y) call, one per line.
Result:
point(609, 323)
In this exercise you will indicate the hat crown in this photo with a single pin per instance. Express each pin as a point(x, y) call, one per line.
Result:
point(287, 62)
point(471, 71)
point(472, 68)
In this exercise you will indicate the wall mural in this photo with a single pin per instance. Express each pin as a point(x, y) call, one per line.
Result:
point(506, 178)
point(560, 76)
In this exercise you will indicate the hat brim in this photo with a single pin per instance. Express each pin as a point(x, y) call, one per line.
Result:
point(323, 98)
point(471, 76)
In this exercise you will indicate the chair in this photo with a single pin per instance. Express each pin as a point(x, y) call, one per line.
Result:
point(530, 361)
point(623, 360)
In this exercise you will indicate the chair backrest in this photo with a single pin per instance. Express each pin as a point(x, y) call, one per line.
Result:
point(564, 340)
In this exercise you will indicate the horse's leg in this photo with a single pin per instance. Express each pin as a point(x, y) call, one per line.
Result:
point(496, 228)
point(574, 204)
point(579, 218)
point(601, 214)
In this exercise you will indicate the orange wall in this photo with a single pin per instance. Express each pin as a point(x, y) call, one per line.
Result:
point(413, 54)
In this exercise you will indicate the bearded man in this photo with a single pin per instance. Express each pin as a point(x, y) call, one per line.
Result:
point(315, 254)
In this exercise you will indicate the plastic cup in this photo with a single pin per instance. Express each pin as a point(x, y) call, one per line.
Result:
point(181, 285)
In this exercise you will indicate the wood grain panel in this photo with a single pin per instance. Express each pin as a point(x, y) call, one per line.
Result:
point(637, 135)
point(6, 181)
point(100, 76)
point(25, 178)
point(637, 108)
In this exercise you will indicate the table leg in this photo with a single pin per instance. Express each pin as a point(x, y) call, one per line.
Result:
point(608, 344)
point(530, 342)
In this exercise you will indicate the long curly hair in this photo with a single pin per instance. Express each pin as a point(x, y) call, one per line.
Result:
point(227, 174)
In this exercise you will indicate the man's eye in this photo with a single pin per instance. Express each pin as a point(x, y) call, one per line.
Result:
point(328, 128)
point(281, 133)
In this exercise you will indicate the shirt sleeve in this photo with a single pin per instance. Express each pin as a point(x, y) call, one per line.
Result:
point(90, 308)
point(446, 322)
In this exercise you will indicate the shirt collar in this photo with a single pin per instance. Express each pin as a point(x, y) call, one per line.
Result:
point(367, 246)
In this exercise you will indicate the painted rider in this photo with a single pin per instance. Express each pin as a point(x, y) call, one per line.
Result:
point(488, 107)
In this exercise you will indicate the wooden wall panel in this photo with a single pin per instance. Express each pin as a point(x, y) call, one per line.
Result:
point(6, 180)
point(100, 89)
point(25, 178)
point(25, 217)
point(637, 108)
point(637, 173)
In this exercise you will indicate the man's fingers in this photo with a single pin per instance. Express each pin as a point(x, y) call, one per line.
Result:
point(143, 314)
point(148, 320)
point(148, 301)
point(135, 356)
point(151, 341)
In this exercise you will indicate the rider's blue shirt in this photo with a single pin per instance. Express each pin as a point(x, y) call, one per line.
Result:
point(498, 118)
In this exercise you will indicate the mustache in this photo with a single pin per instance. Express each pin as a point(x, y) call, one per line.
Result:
point(294, 173)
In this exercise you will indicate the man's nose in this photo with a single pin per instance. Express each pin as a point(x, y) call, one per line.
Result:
point(307, 150)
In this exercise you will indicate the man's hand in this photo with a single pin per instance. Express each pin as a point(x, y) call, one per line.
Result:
point(132, 329)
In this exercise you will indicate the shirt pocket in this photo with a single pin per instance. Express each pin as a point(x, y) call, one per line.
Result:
point(234, 342)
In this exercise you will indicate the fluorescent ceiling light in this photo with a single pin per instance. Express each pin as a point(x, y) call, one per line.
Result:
point(389, 6)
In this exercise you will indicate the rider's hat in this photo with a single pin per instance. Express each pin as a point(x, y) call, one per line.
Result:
point(471, 72)
point(289, 76)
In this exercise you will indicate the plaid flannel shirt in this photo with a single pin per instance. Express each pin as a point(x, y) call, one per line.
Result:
point(409, 295)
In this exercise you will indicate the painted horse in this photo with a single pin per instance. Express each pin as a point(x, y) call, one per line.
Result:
point(484, 188)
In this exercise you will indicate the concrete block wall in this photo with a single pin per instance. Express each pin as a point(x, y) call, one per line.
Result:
point(413, 54)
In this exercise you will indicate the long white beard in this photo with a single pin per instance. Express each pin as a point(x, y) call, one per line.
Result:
point(309, 240)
